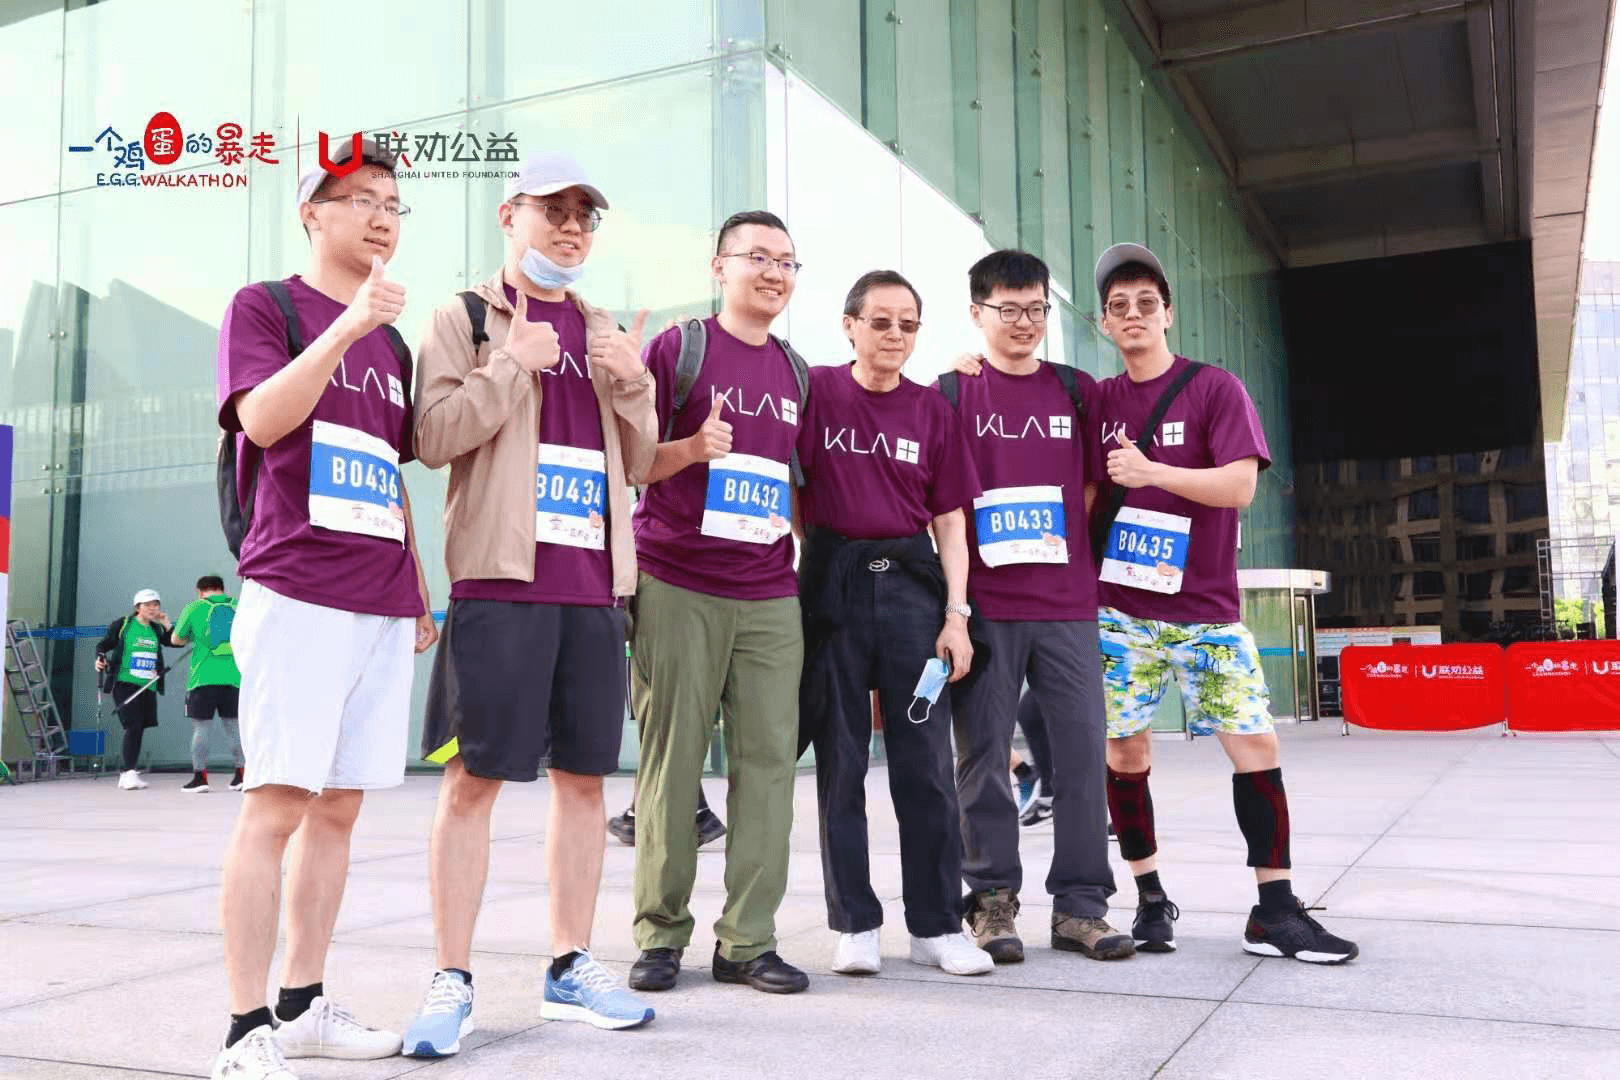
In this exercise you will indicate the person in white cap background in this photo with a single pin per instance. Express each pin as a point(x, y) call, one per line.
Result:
point(314, 386)
point(543, 410)
point(130, 660)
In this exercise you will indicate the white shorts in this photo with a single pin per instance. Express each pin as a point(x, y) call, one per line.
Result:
point(326, 694)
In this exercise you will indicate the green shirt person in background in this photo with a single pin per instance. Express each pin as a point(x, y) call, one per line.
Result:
point(213, 687)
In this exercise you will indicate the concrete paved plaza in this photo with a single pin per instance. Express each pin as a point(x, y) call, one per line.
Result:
point(1480, 875)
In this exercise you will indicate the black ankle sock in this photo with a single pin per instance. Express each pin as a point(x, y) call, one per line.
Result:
point(294, 1002)
point(563, 963)
point(1278, 895)
point(1149, 883)
point(1022, 771)
point(246, 1022)
point(466, 976)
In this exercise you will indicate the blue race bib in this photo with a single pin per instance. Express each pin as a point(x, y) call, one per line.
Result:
point(1146, 550)
point(570, 497)
point(748, 499)
point(354, 483)
point(1021, 525)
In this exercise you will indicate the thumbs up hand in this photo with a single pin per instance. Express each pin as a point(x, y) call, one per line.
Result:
point(378, 301)
point(713, 439)
point(616, 351)
point(534, 345)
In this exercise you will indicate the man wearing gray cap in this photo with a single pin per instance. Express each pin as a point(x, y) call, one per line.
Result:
point(544, 412)
point(314, 387)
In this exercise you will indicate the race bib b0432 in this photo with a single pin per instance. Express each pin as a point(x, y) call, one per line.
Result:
point(748, 499)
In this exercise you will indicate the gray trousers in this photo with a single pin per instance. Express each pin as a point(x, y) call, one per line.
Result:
point(1063, 666)
point(199, 741)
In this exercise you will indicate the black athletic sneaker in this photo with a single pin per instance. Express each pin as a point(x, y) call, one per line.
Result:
point(236, 781)
point(199, 782)
point(709, 827)
point(1295, 934)
point(1040, 810)
point(1154, 929)
point(623, 828)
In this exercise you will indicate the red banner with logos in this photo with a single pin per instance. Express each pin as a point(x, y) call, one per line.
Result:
point(1423, 687)
point(1564, 686)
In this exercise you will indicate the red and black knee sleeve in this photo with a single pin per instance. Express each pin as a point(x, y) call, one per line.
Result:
point(1262, 813)
point(1130, 804)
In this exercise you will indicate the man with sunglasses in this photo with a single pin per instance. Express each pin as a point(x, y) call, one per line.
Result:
point(317, 393)
point(1170, 604)
point(1034, 590)
point(717, 618)
point(886, 465)
point(543, 410)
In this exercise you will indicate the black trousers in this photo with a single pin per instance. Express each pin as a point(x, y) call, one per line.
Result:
point(884, 636)
point(1061, 662)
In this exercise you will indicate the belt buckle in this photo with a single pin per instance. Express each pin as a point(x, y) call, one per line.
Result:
point(877, 566)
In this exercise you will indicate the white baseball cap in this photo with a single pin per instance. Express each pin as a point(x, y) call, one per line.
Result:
point(147, 596)
point(547, 174)
point(1120, 254)
point(370, 154)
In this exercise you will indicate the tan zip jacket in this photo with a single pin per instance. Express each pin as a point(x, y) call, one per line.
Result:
point(480, 414)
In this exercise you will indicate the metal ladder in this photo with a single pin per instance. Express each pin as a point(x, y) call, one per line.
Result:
point(30, 692)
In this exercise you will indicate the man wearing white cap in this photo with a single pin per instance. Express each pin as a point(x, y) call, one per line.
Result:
point(544, 412)
point(130, 660)
point(314, 386)
point(1184, 450)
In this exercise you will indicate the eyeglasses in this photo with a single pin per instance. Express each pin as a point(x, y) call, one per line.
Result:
point(589, 220)
point(366, 205)
point(1010, 312)
point(761, 262)
point(1120, 306)
point(882, 324)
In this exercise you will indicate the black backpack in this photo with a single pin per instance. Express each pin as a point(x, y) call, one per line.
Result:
point(236, 508)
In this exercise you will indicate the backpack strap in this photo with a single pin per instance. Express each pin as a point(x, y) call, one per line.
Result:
point(694, 341)
point(1104, 522)
point(1071, 386)
point(801, 375)
point(236, 507)
point(950, 384)
point(475, 314)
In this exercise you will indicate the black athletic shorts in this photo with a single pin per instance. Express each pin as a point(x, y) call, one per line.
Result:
point(207, 702)
point(135, 711)
point(522, 687)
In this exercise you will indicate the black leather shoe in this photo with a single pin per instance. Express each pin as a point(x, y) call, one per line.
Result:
point(655, 969)
point(767, 972)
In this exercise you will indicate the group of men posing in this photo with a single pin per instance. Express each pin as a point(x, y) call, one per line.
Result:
point(908, 502)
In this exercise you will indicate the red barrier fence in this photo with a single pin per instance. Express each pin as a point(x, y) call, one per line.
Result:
point(1563, 686)
point(1423, 687)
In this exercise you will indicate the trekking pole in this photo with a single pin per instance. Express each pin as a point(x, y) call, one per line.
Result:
point(149, 683)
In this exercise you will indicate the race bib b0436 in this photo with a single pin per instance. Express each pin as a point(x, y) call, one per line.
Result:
point(354, 483)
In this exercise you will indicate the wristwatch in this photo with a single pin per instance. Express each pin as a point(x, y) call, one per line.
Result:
point(964, 610)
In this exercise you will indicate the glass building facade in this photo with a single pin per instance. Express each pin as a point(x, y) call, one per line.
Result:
point(916, 135)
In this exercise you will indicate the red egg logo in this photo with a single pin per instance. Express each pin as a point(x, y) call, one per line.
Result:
point(164, 139)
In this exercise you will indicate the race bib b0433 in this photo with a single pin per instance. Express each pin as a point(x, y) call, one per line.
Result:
point(1021, 525)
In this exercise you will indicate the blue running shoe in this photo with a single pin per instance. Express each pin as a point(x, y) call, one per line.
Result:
point(446, 1016)
point(1024, 791)
point(588, 992)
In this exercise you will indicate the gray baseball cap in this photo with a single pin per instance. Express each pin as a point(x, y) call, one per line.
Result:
point(1120, 254)
point(370, 154)
point(547, 173)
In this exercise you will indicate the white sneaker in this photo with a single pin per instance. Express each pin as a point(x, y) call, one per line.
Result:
point(953, 954)
point(857, 954)
point(254, 1057)
point(329, 1030)
point(130, 780)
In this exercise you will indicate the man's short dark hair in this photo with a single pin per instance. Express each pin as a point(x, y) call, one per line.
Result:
point(210, 583)
point(871, 279)
point(747, 217)
point(1135, 271)
point(1007, 269)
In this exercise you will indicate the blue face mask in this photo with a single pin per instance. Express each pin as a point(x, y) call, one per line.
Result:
point(934, 677)
point(547, 274)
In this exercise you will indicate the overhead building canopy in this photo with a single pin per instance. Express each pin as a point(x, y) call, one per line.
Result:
point(1357, 129)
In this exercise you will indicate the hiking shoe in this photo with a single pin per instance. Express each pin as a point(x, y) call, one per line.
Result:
point(588, 992)
point(858, 954)
point(1038, 811)
point(236, 781)
point(1295, 934)
point(623, 828)
point(446, 1016)
point(1154, 929)
point(1094, 937)
point(329, 1030)
point(767, 972)
point(953, 954)
point(991, 917)
point(199, 782)
point(254, 1057)
point(656, 969)
point(709, 827)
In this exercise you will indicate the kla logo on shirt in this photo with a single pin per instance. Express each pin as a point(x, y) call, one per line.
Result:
point(1057, 427)
point(845, 439)
point(1174, 433)
point(784, 409)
